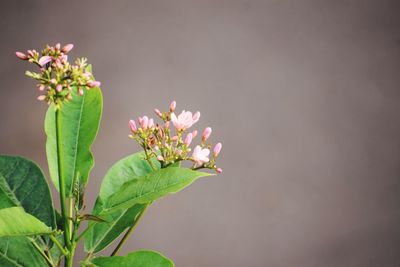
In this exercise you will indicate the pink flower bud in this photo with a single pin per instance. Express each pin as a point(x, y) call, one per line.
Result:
point(41, 97)
point(44, 60)
point(41, 87)
point(140, 120)
point(145, 122)
point(132, 125)
point(174, 138)
point(80, 91)
point(151, 123)
point(53, 81)
point(172, 106)
point(196, 117)
point(30, 53)
point(92, 84)
point(217, 149)
point(166, 125)
point(218, 170)
point(160, 158)
point(206, 133)
point(159, 114)
point(58, 46)
point(188, 139)
point(21, 55)
point(194, 133)
point(59, 88)
point(67, 48)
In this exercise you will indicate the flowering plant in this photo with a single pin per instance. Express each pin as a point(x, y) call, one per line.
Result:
point(33, 232)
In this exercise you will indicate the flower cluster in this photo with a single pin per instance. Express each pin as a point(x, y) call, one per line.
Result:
point(57, 78)
point(173, 145)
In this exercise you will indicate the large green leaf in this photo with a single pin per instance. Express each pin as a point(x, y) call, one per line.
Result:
point(80, 119)
point(102, 234)
point(22, 184)
point(137, 259)
point(19, 252)
point(151, 187)
point(16, 222)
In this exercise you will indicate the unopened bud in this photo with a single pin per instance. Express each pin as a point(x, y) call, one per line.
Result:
point(41, 87)
point(159, 114)
point(67, 48)
point(92, 84)
point(172, 106)
point(44, 60)
point(166, 125)
point(217, 149)
point(145, 122)
point(206, 133)
point(58, 46)
point(59, 88)
point(132, 125)
point(41, 97)
point(21, 55)
point(80, 91)
point(151, 123)
point(188, 139)
point(160, 158)
point(194, 133)
point(218, 170)
point(174, 138)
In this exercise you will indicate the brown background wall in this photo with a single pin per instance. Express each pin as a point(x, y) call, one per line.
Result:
point(304, 96)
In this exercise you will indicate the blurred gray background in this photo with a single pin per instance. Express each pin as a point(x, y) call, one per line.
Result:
point(304, 96)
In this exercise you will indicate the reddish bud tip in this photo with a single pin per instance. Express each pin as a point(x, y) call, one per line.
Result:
point(172, 106)
point(218, 170)
point(21, 55)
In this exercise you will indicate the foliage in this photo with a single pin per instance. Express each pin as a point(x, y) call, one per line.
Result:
point(32, 232)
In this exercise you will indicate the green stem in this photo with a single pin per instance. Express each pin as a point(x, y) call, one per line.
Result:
point(60, 247)
point(61, 185)
point(133, 226)
point(149, 159)
point(42, 253)
point(71, 203)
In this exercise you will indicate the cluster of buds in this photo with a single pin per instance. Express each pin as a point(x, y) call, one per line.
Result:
point(57, 78)
point(173, 145)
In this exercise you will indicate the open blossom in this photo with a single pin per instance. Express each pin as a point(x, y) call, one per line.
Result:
point(184, 120)
point(200, 155)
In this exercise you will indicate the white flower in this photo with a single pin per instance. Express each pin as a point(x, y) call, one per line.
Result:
point(200, 155)
point(184, 120)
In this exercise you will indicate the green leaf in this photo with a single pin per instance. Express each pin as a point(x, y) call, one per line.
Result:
point(16, 222)
point(143, 258)
point(151, 187)
point(80, 120)
point(102, 234)
point(19, 252)
point(22, 184)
